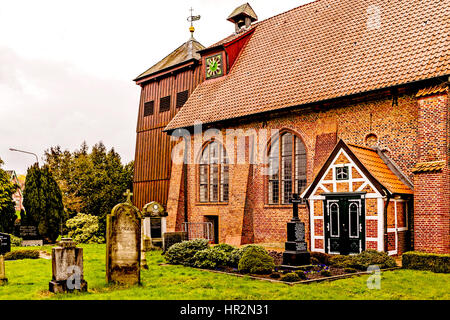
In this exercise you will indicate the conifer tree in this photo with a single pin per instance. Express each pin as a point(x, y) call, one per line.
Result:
point(7, 208)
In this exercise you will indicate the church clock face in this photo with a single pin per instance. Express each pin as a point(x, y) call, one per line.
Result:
point(214, 66)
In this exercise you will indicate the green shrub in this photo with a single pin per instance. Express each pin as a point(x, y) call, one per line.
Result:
point(275, 275)
point(236, 254)
point(426, 261)
point(15, 241)
point(22, 254)
point(350, 270)
point(363, 260)
point(339, 261)
point(372, 257)
point(224, 247)
point(301, 275)
point(256, 261)
point(210, 258)
point(325, 273)
point(314, 260)
point(184, 252)
point(290, 277)
point(84, 228)
point(322, 258)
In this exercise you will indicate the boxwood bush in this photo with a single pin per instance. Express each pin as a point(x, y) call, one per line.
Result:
point(15, 241)
point(256, 261)
point(363, 260)
point(426, 261)
point(210, 258)
point(320, 257)
point(22, 254)
point(236, 254)
point(290, 277)
point(184, 252)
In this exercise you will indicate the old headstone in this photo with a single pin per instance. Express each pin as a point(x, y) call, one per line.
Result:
point(154, 225)
point(296, 252)
point(123, 243)
point(3, 279)
point(170, 238)
point(28, 232)
point(67, 268)
point(5, 243)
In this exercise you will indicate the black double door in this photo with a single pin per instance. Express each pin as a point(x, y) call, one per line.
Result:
point(344, 223)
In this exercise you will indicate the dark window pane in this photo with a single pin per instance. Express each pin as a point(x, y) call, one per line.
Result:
point(164, 104)
point(182, 98)
point(353, 211)
point(342, 173)
point(148, 108)
point(334, 219)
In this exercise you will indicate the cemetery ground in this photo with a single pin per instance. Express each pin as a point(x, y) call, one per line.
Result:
point(29, 278)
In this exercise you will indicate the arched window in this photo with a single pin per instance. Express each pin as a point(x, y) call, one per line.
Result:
point(213, 174)
point(287, 168)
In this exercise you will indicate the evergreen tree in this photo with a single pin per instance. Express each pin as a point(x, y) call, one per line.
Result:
point(7, 208)
point(43, 202)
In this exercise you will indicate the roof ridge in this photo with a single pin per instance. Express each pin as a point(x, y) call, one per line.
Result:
point(362, 147)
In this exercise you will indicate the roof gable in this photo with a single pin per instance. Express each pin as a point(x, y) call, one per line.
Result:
point(187, 51)
point(324, 50)
point(369, 163)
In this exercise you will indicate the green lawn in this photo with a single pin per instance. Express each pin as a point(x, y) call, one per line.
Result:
point(28, 279)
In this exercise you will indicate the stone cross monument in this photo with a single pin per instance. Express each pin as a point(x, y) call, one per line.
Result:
point(296, 252)
point(123, 243)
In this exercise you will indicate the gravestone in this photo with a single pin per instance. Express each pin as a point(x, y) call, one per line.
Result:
point(123, 243)
point(67, 268)
point(3, 279)
point(154, 225)
point(296, 252)
point(5, 243)
point(28, 232)
point(170, 238)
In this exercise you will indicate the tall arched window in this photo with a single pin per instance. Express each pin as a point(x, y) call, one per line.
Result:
point(213, 174)
point(287, 168)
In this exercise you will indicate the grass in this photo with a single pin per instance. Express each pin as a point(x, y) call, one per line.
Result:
point(28, 279)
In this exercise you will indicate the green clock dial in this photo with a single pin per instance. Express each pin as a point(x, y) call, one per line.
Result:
point(214, 66)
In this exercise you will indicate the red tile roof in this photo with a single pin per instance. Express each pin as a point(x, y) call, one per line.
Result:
point(379, 169)
point(323, 50)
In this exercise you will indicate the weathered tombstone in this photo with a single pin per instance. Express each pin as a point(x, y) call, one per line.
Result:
point(30, 236)
point(154, 225)
point(5, 243)
point(123, 243)
point(296, 252)
point(67, 268)
point(170, 238)
point(3, 279)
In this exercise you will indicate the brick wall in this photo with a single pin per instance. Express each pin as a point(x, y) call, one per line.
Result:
point(432, 189)
point(395, 127)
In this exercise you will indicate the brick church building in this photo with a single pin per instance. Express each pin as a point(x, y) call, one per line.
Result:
point(344, 102)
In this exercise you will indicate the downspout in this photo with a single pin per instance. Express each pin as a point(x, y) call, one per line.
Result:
point(385, 236)
point(185, 193)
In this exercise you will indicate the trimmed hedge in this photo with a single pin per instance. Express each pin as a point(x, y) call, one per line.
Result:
point(211, 258)
point(15, 241)
point(184, 252)
point(22, 254)
point(320, 258)
point(237, 254)
point(435, 262)
point(256, 261)
point(290, 277)
point(363, 260)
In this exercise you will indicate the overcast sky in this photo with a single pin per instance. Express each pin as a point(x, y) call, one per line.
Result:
point(66, 67)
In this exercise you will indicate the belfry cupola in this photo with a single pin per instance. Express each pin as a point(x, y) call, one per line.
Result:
point(242, 17)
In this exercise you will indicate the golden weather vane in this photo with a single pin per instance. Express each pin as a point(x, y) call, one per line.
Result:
point(191, 19)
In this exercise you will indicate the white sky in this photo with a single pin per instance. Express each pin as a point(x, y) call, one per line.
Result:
point(66, 67)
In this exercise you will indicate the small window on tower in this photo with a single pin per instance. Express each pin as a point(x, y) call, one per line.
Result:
point(182, 98)
point(148, 108)
point(164, 104)
point(342, 173)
